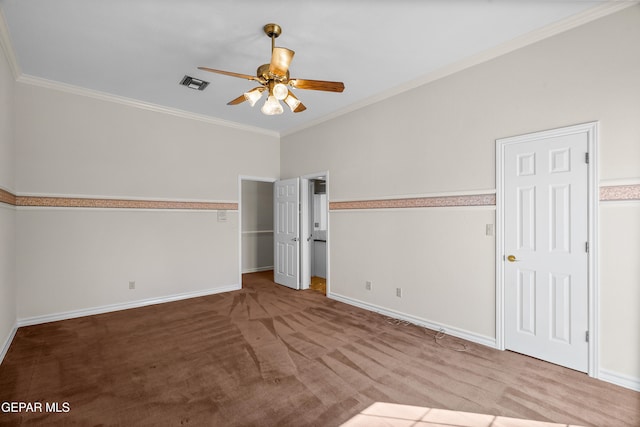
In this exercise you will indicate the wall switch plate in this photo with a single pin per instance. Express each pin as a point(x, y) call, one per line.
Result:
point(367, 285)
point(132, 285)
point(399, 292)
point(222, 215)
point(489, 230)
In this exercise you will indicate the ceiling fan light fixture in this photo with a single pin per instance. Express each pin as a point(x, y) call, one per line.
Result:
point(272, 107)
point(253, 96)
point(274, 79)
point(280, 91)
point(292, 102)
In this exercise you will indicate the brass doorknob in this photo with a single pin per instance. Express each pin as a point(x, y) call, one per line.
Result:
point(511, 258)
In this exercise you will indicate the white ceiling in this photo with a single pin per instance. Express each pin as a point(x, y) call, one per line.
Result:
point(141, 49)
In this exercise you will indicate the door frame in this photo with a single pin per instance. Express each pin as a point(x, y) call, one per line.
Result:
point(305, 216)
point(304, 225)
point(240, 179)
point(591, 129)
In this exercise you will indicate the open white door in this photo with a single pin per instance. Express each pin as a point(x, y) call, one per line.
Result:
point(546, 232)
point(286, 232)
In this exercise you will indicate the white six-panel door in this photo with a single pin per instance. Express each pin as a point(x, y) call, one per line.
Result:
point(286, 233)
point(545, 268)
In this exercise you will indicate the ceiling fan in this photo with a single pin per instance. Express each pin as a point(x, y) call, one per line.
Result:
point(274, 79)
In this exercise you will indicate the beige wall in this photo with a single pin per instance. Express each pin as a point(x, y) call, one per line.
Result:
point(440, 138)
point(69, 144)
point(620, 288)
point(7, 212)
point(77, 259)
point(71, 259)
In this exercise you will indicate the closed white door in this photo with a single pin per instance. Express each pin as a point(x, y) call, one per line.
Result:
point(286, 232)
point(545, 268)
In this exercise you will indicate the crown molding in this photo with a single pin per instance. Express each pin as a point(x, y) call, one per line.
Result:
point(592, 14)
point(7, 47)
point(80, 91)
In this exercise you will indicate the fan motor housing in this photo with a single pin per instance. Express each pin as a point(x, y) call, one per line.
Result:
point(263, 71)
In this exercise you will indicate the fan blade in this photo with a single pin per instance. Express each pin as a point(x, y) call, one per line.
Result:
point(238, 100)
point(229, 73)
point(280, 61)
point(317, 85)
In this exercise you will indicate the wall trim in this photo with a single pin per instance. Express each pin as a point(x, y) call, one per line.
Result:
point(450, 330)
point(422, 195)
point(54, 317)
point(608, 193)
point(619, 192)
point(7, 197)
point(417, 202)
point(614, 182)
point(622, 380)
point(79, 202)
point(119, 197)
point(48, 201)
point(7, 342)
point(589, 15)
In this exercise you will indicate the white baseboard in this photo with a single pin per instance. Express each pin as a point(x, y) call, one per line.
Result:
point(36, 320)
point(7, 342)
point(622, 380)
point(257, 269)
point(450, 330)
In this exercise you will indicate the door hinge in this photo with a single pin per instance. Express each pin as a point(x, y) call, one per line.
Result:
point(586, 157)
point(586, 336)
point(586, 247)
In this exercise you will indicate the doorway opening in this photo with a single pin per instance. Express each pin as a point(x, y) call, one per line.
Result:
point(317, 248)
point(301, 232)
point(256, 225)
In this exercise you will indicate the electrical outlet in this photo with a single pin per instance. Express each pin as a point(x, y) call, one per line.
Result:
point(132, 285)
point(399, 292)
point(367, 285)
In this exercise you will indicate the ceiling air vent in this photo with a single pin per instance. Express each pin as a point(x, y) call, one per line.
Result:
point(194, 83)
